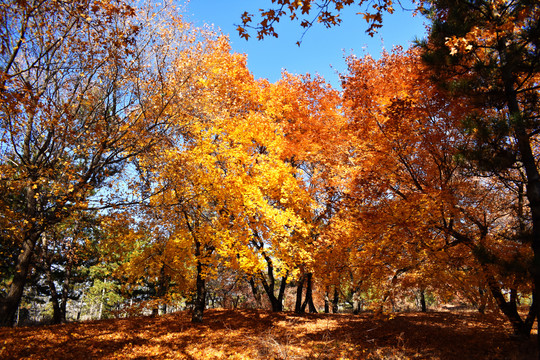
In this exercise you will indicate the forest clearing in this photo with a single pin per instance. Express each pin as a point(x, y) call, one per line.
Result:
point(257, 334)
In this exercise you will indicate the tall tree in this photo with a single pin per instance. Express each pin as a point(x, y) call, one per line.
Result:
point(414, 206)
point(308, 110)
point(225, 192)
point(74, 111)
point(488, 50)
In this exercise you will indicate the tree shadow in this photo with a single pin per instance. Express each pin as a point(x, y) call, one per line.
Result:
point(438, 335)
point(261, 334)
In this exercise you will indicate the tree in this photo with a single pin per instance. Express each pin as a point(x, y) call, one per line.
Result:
point(225, 193)
point(414, 208)
point(489, 51)
point(74, 110)
point(308, 111)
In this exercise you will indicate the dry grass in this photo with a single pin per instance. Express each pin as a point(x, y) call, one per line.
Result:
point(251, 334)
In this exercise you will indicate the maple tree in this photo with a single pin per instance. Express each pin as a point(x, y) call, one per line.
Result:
point(413, 205)
point(226, 194)
point(307, 111)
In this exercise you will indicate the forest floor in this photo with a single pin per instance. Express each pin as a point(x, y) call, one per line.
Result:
point(257, 334)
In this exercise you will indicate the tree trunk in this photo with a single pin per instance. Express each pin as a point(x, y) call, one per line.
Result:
point(335, 301)
point(357, 303)
point(309, 296)
point(509, 309)
point(276, 302)
point(269, 287)
point(65, 292)
point(10, 304)
point(299, 290)
point(483, 301)
point(162, 288)
point(423, 307)
point(200, 296)
point(326, 301)
point(256, 292)
point(57, 311)
point(100, 311)
point(200, 292)
point(521, 328)
point(59, 300)
point(533, 180)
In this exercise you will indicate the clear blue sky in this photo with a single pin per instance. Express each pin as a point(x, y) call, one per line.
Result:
point(322, 50)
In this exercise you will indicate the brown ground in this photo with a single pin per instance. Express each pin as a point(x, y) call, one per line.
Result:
point(251, 334)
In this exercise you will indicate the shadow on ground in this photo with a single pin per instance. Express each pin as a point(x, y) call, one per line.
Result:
point(254, 334)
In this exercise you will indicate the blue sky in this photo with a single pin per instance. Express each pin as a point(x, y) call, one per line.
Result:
point(322, 51)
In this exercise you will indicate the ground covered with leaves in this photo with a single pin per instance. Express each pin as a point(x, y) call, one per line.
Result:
point(252, 334)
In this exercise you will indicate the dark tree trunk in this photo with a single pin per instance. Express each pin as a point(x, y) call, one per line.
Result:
point(200, 295)
point(483, 301)
point(277, 306)
point(162, 288)
point(57, 310)
point(199, 303)
point(509, 308)
point(66, 289)
point(423, 306)
point(533, 184)
point(10, 304)
point(335, 301)
point(309, 296)
point(326, 301)
point(256, 292)
point(299, 290)
point(275, 301)
point(522, 328)
point(59, 300)
point(269, 286)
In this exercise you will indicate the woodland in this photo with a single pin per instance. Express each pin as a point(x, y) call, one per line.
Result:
point(145, 171)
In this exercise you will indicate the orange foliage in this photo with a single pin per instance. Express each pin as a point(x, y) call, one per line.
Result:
point(413, 208)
